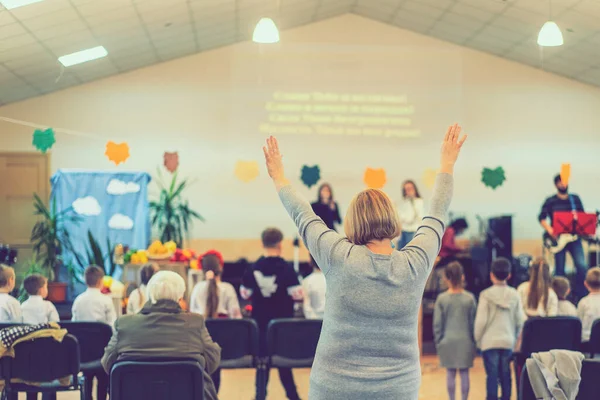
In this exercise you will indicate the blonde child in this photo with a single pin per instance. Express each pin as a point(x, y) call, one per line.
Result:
point(139, 297)
point(453, 324)
point(562, 288)
point(10, 309)
point(35, 309)
point(588, 309)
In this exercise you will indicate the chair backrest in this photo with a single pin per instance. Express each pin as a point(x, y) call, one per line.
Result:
point(292, 342)
point(551, 333)
point(589, 387)
point(92, 337)
point(43, 360)
point(238, 339)
point(157, 380)
point(595, 338)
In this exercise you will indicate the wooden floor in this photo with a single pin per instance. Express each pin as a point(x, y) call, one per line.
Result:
point(239, 384)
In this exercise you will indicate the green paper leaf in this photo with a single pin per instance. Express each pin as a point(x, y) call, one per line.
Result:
point(493, 177)
point(43, 140)
point(310, 175)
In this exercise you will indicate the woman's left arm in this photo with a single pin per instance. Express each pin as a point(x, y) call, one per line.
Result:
point(318, 238)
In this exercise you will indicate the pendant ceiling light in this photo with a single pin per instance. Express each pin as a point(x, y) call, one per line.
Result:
point(550, 34)
point(265, 32)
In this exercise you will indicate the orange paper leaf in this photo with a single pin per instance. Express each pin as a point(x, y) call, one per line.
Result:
point(117, 153)
point(375, 178)
point(565, 173)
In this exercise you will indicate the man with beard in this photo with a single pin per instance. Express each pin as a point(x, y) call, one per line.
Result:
point(564, 201)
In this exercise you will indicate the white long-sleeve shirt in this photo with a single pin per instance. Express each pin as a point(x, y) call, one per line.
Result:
point(588, 310)
point(314, 287)
point(228, 300)
point(137, 299)
point(540, 311)
point(411, 212)
point(10, 309)
point(92, 305)
point(36, 310)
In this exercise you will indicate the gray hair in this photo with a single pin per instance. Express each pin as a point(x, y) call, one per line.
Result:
point(166, 285)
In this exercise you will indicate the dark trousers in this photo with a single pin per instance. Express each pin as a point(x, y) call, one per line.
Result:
point(102, 385)
point(497, 370)
point(287, 380)
point(216, 378)
point(576, 250)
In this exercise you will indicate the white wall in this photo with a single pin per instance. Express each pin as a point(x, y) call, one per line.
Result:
point(209, 107)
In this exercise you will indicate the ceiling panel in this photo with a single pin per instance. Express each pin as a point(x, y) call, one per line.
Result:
point(138, 33)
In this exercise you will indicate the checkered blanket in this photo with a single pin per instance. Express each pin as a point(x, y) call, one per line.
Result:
point(8, 336)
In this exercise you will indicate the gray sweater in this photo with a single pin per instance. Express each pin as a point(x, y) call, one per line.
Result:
point(368, 347)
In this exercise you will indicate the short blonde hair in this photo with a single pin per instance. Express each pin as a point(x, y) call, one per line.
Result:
point(592, 278)
point(371, 216)
point(6, 273)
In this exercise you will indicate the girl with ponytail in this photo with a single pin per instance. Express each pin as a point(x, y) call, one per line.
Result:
point(139, 297)
point(537, 295)
point(213, 298)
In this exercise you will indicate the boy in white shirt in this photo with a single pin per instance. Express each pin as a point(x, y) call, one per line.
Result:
point(588, 309)
point(562, 288)
point(314, 287)
point(10, 309)
point(35, 309)
point(92, 305)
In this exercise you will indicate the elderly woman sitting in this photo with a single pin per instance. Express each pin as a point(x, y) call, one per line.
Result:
point(163, 329)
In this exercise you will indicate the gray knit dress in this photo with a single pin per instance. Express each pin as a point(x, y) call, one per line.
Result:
point(368, 347)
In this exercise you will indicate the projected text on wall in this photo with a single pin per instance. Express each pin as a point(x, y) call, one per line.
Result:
point(320, 113)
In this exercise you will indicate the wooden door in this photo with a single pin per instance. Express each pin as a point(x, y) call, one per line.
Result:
point(21, 175)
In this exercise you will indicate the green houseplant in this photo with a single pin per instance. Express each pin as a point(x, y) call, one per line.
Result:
point(171, 214)
point(49, 237)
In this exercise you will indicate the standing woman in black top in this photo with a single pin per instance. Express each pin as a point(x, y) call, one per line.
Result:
point(326, 208)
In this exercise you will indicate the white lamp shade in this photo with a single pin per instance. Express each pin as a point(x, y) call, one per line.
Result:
point(550, 35)
point(266, 31)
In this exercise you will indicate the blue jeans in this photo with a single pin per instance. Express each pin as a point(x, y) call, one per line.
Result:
point(404, 239)
point(576, 250)
point(497, 369)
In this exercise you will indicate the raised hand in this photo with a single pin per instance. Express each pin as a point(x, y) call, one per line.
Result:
point(274, 161)
point(451, 147)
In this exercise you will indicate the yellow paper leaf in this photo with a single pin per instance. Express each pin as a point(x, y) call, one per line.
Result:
point(429, 177)
point(117, 153)
point(374, 178)
point(246, 171)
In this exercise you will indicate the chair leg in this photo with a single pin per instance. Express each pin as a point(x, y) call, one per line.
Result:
point(32, 396)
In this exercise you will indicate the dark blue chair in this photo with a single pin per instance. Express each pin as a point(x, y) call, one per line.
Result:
point(238, 339)
point(594, 343)
point(588, 388)
point(93, 338)
point(292, 342)
point(42, 360)
point(157, 380)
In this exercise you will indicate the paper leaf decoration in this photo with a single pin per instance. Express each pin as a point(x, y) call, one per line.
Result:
point(429, 177)
point(493, 177)
point(310, 175)
point(171, 161)
point(246, 171)
point(117, 153)
point(374, 178)
point(565, 174)
point(43, 140)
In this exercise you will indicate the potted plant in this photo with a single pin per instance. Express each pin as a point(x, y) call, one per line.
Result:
point(49, 237)
point(171, 214)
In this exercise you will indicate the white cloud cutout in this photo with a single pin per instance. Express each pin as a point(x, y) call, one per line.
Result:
point(120, 221)
point(87, 206)
point(118, 187)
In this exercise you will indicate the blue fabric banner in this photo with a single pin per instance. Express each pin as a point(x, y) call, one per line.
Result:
point(113, 206)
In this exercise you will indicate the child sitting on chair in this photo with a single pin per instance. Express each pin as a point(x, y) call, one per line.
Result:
point(35, 309)
point(562, 288)
point(92, 305)
point(10, 309)
point(588, 309)
point(139, 296)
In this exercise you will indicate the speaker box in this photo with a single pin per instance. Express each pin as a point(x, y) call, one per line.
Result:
point(500, 236)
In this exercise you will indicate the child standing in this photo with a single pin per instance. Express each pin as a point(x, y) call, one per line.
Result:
point(588, 309)
point(10, 309)
point(453, 325)
point(498, 323)
point(139, 297)
point(92, 305)
point(314, 287)
point(562, 288)
point(35, 309)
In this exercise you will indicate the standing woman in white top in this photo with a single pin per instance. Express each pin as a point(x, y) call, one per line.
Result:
point(411, 211)
point(213, 298)
point(139, 296)
point(537, 295)
point(315, 287)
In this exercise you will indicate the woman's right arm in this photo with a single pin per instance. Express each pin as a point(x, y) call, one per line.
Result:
point(426, 244)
